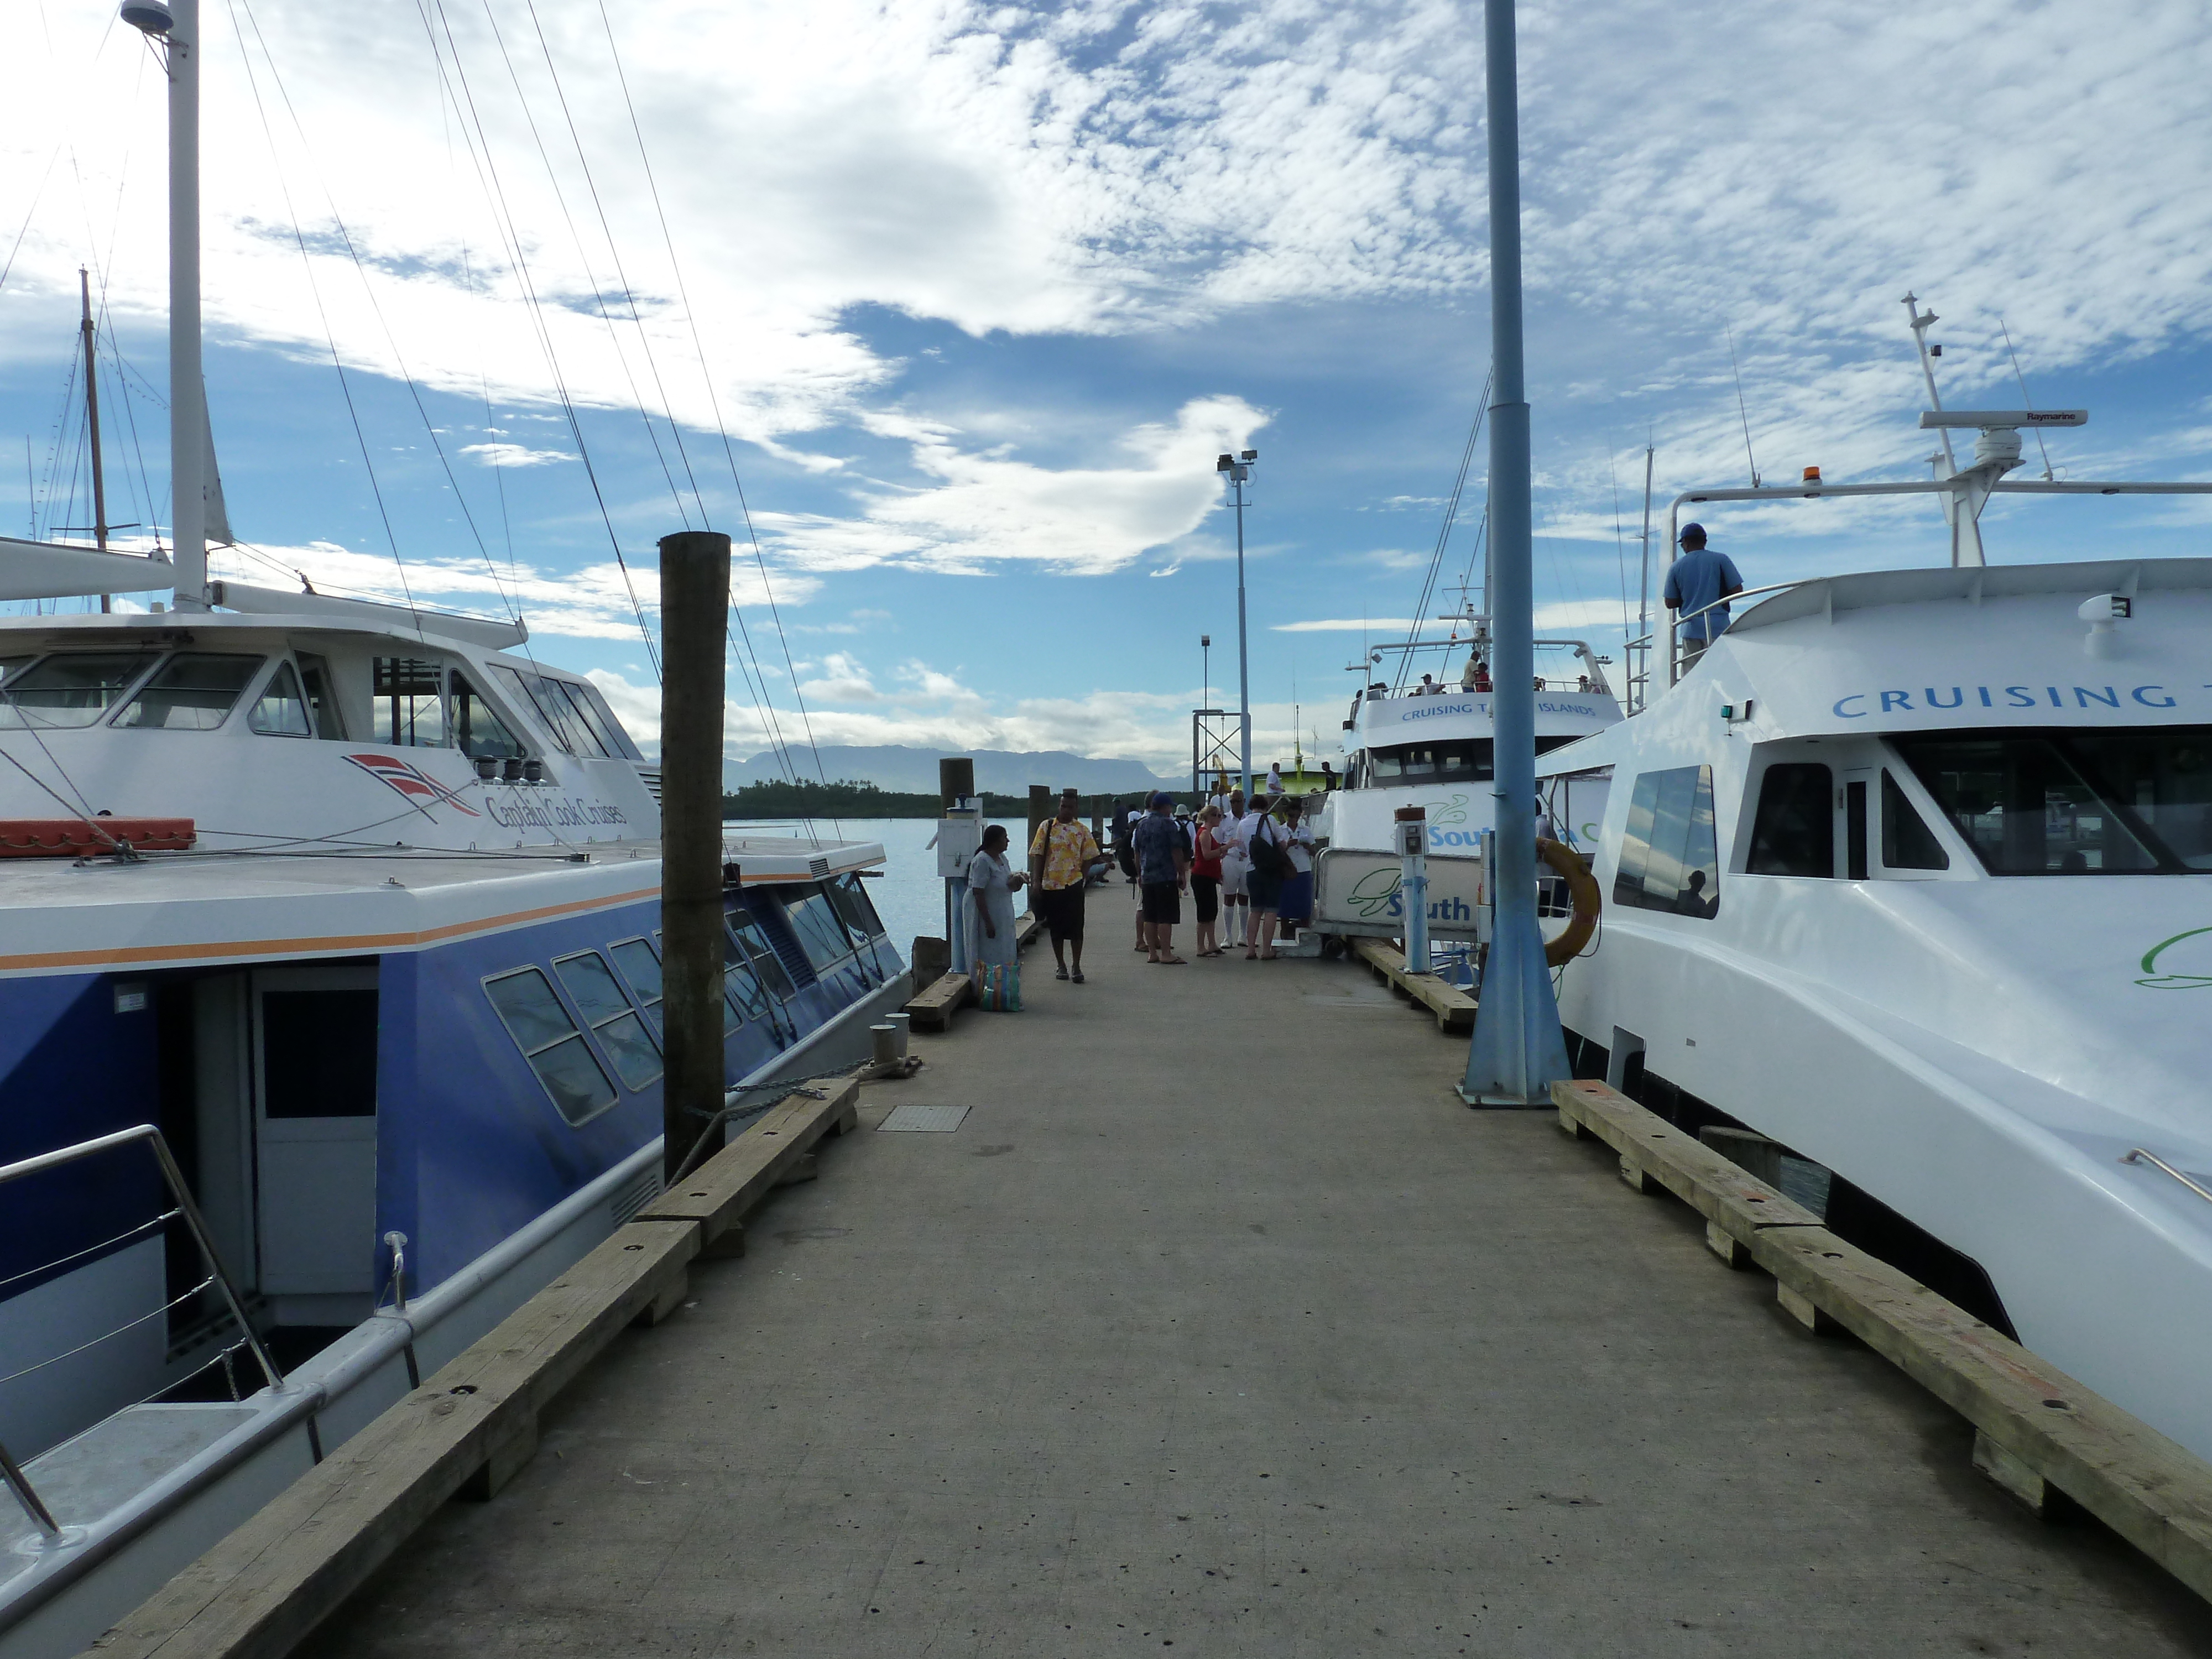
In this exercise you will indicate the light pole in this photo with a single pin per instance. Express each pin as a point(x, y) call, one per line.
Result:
point(1516, 1051)
point(1239, 469)
point(1206, 669)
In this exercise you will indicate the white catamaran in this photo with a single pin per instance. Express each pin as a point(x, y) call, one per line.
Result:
point(1912, 871)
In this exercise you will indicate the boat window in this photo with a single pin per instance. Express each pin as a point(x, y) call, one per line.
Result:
point(322, 697)
point(1907, 843)
point(742, 996)
point(478, 732)
point(2095, 803)
point(1794, 831)
point(618, 739)
point(850, 895)
point(551, 707)
point(586, 708)
point(280, 711)
point(1668, 858)
point(10, 665)
point(642, 969)
point(763, 953)
point(318, 1054)
point(556, 1050)
point(74, 689)
point(622, 1036)
point(410, 710)
point(821, 933)
point(1469, 758)
point(194, 691)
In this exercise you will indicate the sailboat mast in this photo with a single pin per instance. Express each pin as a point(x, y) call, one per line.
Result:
point(92, 424)
point(188, 442)
point(92, 412)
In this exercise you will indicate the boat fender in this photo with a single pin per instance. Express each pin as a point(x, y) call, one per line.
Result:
point(1582, 888)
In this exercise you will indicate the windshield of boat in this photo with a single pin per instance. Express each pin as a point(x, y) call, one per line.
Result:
point(2128, 802)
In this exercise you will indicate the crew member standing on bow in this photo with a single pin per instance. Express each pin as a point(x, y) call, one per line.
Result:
point(1699, 580)
point(1060, 858)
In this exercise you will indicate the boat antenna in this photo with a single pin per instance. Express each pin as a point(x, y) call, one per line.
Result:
point(2025, 402)
point(1743, 413)
point(1644, 576)
point(92, 422)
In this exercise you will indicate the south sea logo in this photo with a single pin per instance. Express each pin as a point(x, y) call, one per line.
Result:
point(2176, 955)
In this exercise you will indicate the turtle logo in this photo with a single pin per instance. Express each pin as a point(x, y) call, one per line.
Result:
point(2199, 958)
point(1375, 893)
point(1448, 812)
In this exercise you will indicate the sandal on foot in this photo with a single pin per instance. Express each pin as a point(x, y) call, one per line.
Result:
point(1077, 976)
point(1060, 973)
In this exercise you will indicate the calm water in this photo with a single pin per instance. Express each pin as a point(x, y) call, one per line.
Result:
point(909, 896)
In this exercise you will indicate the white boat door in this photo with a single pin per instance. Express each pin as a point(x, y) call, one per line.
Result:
point(314, 1120)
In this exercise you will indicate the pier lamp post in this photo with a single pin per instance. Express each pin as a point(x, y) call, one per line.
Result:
point(1238, 467)
point(1516, 1051)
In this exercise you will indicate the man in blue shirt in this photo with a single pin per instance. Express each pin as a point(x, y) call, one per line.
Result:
point(1699, 579)
point(1163, 871)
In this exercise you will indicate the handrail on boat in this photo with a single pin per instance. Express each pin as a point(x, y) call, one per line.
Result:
point(1643, 641)
point(174, 1178)
point(2139, 1155)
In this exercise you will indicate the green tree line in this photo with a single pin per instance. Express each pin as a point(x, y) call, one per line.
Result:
point(850, 798)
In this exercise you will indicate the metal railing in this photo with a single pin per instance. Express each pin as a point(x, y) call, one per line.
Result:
point(184, 1206)
point(1639, 682)
point(2139, 1156)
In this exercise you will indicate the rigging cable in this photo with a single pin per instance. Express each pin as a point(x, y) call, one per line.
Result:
point(722, 427)
point(314, 289)
point(2024, 401)
point(503, 218)
point(1743, 413)
point(369, 291)
point(1443, 534)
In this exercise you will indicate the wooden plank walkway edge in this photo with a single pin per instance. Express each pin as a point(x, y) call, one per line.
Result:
point(2038, 1432)
point(1453, 1007)
point(260, 1591)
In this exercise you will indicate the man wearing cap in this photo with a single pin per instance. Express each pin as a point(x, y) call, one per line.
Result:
point(1163, 868)
point(1060, 858)
point(1700, 579)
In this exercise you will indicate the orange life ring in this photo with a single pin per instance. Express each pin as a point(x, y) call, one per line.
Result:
point(1582, 888)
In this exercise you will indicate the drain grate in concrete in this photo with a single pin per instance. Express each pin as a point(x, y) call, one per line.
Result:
point(921, 1115)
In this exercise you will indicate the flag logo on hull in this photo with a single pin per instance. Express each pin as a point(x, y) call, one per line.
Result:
point(421, 790)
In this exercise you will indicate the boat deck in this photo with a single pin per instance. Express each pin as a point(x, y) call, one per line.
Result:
point(1219, 1324)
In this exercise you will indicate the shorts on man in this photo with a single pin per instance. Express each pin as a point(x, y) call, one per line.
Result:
point(1061, 909)
point(1163, 902)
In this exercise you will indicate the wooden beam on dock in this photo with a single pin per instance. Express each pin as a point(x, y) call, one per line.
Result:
point(2037, 1431)
point(775, 1147)
point(1453, 1007)
point(262, 1590)
point(933, 1006)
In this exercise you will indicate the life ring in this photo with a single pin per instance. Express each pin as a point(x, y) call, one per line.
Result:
point(1582, 888)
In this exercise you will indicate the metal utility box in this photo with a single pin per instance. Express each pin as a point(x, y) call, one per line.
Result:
point(959, 838)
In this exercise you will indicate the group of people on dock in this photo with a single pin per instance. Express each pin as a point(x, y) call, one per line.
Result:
point(1253, 858)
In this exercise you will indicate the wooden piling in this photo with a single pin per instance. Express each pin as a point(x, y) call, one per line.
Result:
point(694, 607)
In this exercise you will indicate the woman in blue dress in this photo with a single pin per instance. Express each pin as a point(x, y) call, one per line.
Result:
point(992, 882)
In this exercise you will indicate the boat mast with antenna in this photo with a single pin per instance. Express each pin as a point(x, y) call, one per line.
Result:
point(1965, 528)
point(174, 26)
point(92, 423)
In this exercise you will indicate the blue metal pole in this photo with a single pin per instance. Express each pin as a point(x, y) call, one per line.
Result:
point(1516, 1051)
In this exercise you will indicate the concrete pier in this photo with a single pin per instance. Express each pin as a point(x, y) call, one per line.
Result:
point(1220, 1325)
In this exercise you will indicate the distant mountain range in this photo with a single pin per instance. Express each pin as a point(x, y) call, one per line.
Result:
point(1001, 771)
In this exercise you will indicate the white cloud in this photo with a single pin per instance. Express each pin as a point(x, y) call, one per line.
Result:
point(592, 602)
point(503, 454)
point(1343, 625)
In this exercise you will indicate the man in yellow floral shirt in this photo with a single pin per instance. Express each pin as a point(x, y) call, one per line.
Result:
point(1060, 866)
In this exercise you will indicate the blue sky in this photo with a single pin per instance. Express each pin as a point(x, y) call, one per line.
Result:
point(980, 292)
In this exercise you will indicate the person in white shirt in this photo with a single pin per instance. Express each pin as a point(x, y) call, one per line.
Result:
point(1235, 866)
point(1294, 905)
point(1275, 780)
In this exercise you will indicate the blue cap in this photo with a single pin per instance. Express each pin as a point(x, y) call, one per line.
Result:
point(1160, 798)
point(1690, 530)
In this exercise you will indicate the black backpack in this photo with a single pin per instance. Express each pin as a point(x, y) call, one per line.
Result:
point(1268, 856)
